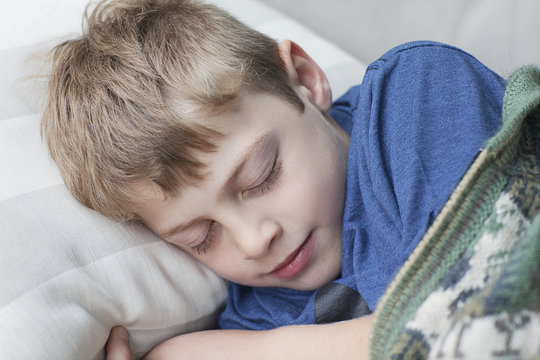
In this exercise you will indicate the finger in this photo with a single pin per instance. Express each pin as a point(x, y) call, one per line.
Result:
point(117, 345)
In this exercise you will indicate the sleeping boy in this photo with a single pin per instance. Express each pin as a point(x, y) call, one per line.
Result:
point(173, 114)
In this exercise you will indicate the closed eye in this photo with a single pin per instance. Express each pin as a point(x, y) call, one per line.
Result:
point(267, 184)
point(204, 245)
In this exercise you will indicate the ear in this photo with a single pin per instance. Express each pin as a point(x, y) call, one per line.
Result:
point(305, 73)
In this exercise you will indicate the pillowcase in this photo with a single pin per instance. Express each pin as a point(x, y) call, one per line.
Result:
point(68, 274)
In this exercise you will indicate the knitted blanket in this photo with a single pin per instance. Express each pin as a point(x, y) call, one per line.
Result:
point(471, 288)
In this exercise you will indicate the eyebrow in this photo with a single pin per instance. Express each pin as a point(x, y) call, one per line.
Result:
point(256, 147)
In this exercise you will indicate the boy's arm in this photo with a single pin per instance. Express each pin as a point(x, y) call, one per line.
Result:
point(341, 340)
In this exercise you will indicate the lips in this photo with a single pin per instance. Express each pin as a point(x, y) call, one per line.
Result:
point(296, 261)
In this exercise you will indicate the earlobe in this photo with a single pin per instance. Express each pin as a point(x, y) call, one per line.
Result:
point(304, 72)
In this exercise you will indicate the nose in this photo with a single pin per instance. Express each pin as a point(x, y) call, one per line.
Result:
point(254, 237)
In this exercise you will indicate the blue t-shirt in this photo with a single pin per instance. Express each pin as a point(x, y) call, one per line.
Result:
point(420, 116)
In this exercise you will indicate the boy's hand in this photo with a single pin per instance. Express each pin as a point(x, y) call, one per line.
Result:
point(117, 345)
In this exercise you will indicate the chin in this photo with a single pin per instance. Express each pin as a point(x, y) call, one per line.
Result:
point(315, 282)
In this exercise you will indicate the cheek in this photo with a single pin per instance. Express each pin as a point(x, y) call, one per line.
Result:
point(318, 187)
point(226, 263)
point(328, 197)
point(216, 260)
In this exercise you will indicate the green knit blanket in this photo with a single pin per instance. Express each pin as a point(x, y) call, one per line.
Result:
point(471, 288)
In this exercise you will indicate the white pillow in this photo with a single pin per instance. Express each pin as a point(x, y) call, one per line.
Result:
point(70, 274)
point(67, 273)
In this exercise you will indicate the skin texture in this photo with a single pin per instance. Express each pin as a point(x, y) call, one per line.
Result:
point(273, 221)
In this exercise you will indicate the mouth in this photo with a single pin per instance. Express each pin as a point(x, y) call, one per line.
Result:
point(297, 261)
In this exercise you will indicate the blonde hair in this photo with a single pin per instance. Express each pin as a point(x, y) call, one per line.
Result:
point(122, 95)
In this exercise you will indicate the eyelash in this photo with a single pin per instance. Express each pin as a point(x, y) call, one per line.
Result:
point(203, 247)
point(267, 184)
point(258, 190)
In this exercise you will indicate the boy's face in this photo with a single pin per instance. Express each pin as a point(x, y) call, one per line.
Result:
point(269, 211)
